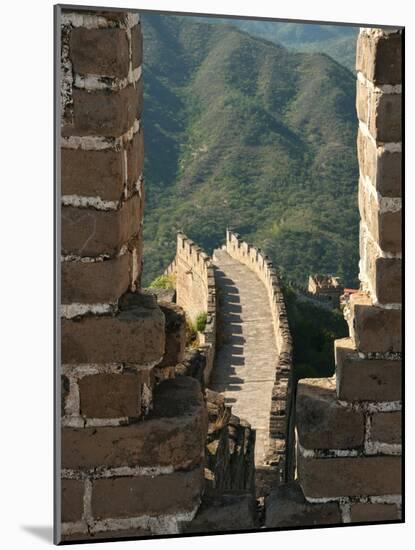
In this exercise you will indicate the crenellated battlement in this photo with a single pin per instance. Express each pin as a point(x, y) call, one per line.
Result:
point(352, 456)
point(196, 291)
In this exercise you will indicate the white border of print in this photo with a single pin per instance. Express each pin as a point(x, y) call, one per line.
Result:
point(27, 269)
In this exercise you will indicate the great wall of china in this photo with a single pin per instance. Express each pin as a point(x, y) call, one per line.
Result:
point(162, 438)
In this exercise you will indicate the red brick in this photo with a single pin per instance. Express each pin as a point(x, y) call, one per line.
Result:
point(389, 174)
point(385, 227)
point(90, 232)
point(92, 173)
point(379, 57)
point(387, 427)
point(147, 495)
point(386, 119)
point(365, 511)
point(96, 282)
point(354, 476)
point(173, 434)
point(389, 232)
point(383, 274)
point(384, 168)
point(110, 395)
point(100, 52)
point(381, 112)
point(322, 423)
point(365, 379)
point(388, 281)
point(136, 46)
point(132, 336)
point(105, 113)
point(375, 329)
point(72, 503)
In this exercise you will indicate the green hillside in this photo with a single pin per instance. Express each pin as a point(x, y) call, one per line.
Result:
point(314, 330)
point(241, 132)
point(338, 41)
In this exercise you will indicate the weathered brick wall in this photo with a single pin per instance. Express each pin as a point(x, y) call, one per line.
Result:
point(101, 160)
point(349, 427)
point(280, 427)
point(132, 451)
point(195, 281)
point(196, 292)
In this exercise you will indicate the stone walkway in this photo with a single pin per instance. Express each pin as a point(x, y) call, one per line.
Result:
point(246, 357)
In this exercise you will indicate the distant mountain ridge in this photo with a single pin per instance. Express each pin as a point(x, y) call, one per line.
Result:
point(337, 41)
point(241, 132)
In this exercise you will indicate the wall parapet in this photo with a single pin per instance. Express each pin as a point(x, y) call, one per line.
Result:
point(353, 456)
point(171, 268)
point(119, 448)
point(280, 426)
point(320, 298)
point(196, 291)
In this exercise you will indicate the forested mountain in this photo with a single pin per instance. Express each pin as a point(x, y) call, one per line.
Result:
point(338, 41)
point(241, 132)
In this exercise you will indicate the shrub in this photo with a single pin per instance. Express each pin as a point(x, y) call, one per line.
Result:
point(201, 321)
point(163, 281)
